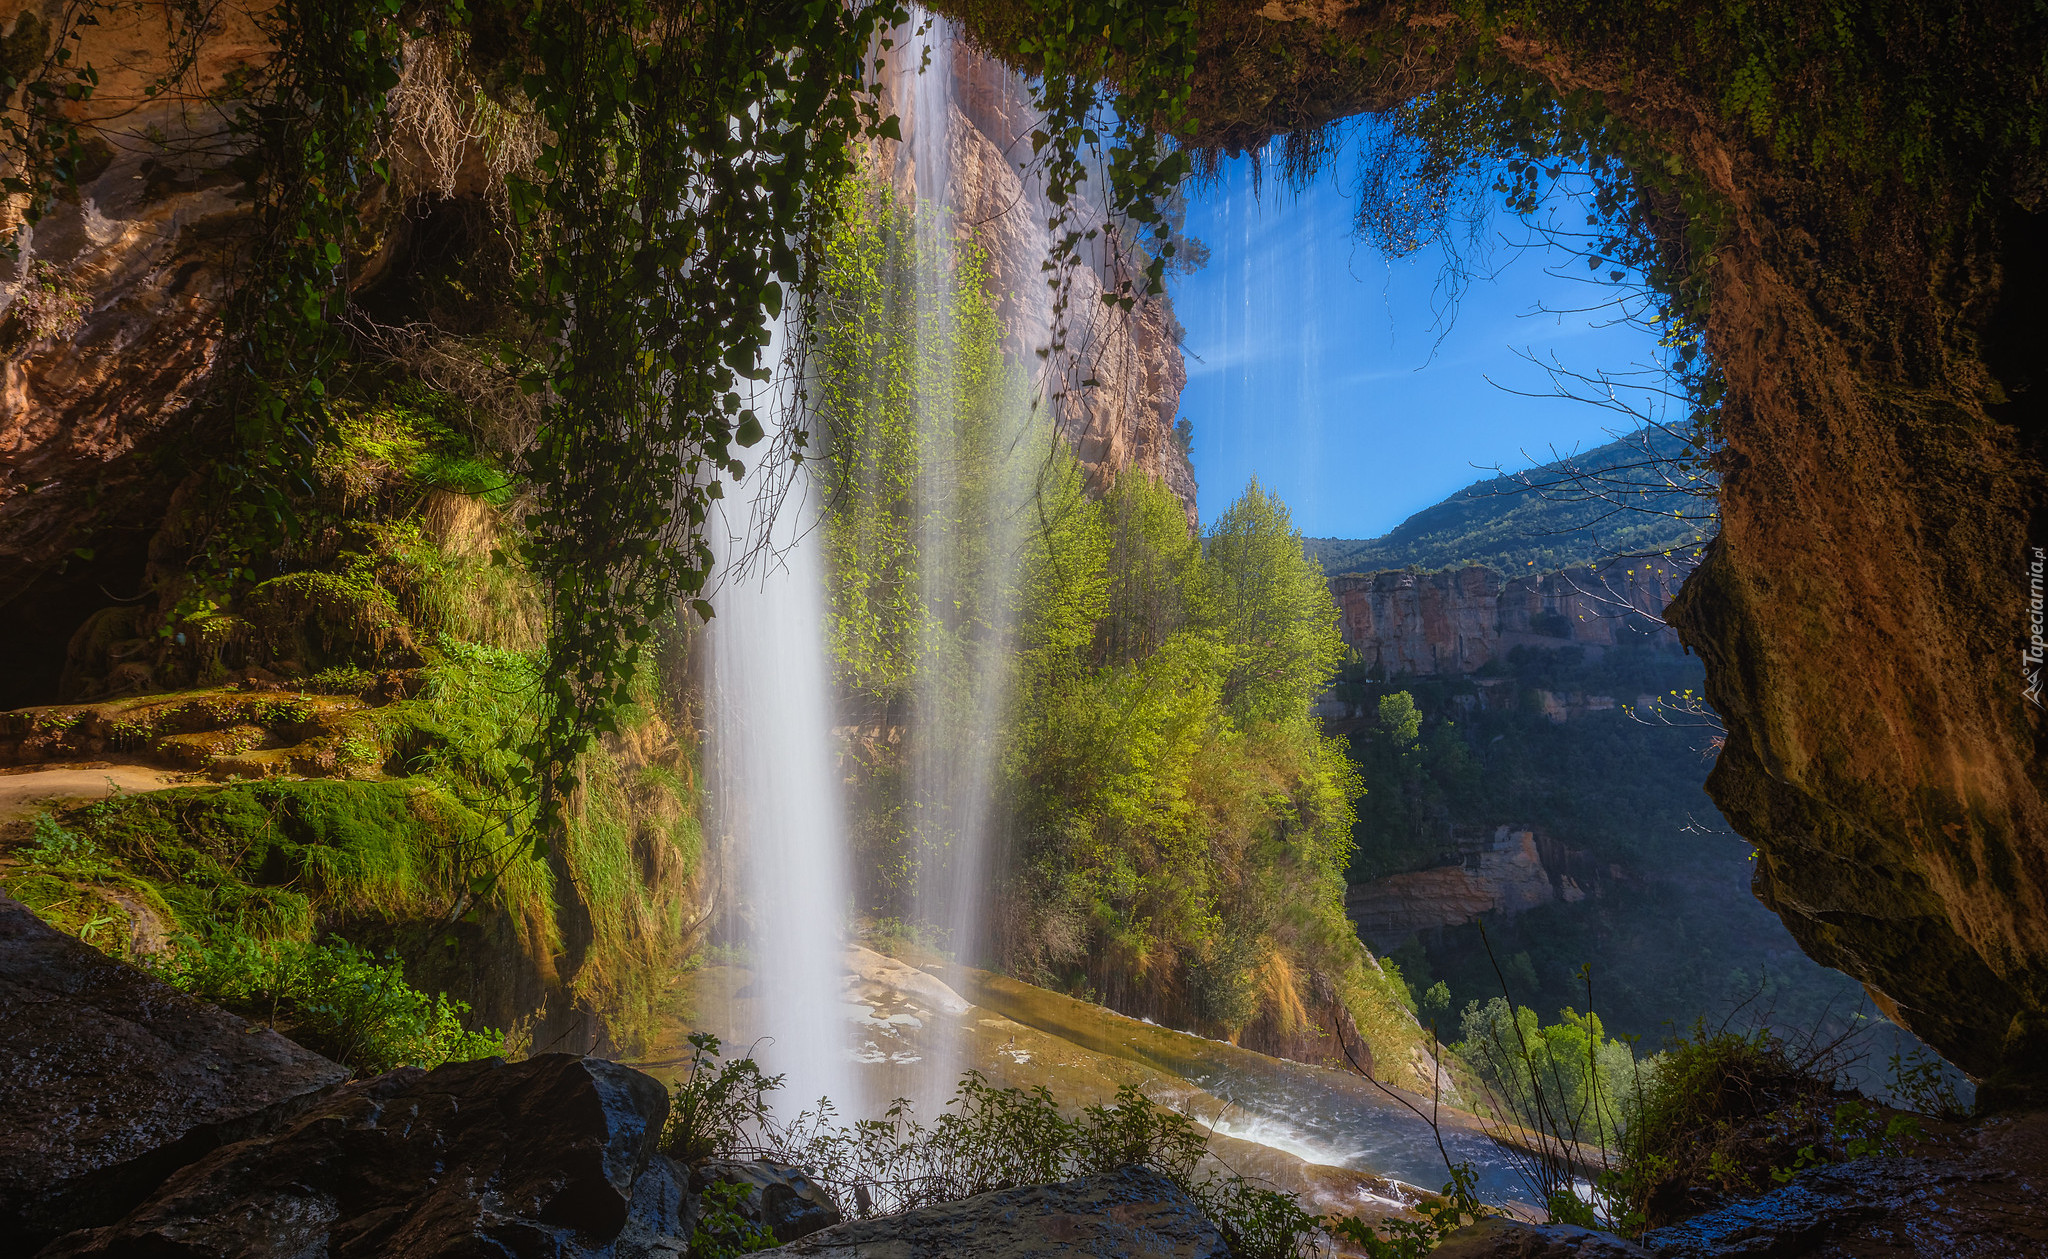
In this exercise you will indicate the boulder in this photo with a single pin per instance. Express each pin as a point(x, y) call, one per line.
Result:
point(113, 1081)
point(1133, 1213)
point(780, 1197)
point(1981, 1193)
point(1513, 1239)
point(547, 1157)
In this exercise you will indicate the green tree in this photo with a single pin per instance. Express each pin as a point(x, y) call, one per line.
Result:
point(1400, 718)
point(1272, 609)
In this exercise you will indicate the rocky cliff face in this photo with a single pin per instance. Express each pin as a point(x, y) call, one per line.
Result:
point(1455, 622)
point(1863, 614)
point(110, 318)
point(1502, 873)
point(979, 166)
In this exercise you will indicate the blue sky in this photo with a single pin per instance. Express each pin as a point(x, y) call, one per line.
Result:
point(1326, 370)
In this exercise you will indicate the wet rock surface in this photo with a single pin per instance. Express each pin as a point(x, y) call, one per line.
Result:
point(1513, 1239)
point(1985, 1197)
point(112, 1081)
point(780, 1197)
point(543, 1157)
point(1133, 1213)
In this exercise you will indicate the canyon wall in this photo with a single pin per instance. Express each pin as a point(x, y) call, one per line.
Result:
point(1125, 417)
point(1402, 622)
point(1497, 873)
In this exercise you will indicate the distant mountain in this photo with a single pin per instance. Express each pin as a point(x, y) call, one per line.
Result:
point(1564, 523)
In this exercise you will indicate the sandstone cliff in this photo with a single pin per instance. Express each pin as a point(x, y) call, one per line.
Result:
point(1456, 622)
point(1118, 395)
point(1501, 873)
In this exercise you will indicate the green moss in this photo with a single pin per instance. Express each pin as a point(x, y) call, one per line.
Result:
point(264, 857)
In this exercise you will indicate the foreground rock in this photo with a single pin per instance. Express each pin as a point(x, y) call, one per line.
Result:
point(1134, 1213)
point(553, 1156)
point(780, 1197)
point(1513, 1239)
point(1986, 1195)
point(112, 1081)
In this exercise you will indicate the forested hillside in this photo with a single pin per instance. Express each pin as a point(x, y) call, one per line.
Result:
point(1636, 495)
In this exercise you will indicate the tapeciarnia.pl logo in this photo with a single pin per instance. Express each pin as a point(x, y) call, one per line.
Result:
point(2037, 618)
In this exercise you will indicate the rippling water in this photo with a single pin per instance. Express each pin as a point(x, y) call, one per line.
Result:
point(1334, 1139)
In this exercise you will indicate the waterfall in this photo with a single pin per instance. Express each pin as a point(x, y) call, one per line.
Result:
point(968, 504)
point(775, 796)
point(779, 800)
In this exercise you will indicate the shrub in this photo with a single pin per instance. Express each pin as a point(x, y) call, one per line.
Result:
point(1567, 1078)
point(1434, 1220)
point(719, 1106)
point(723, 1229)
point(1720, 1114)
point(346, 679)
point(988, 1139)
point(334, 999)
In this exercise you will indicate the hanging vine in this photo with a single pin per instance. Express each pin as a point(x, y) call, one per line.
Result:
point(45, 150)
point(312, 124)
point(667, 226)
point(1115, 78)
point(695, 149)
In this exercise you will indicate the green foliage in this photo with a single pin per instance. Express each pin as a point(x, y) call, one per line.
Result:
point(1435, 1219)
point(314, 116)
point(1484, 754)
point(333, 998)
point(992, 1138)
point(1178, 808)
point(255, 858)
point(723, 1229)
point(343, 679)
point(1400, 720)
point(719, 1106)
point(1667, 923)
point(1277, 623)
point(691, 158)
point(1566, 1078)
point(1722, 1113)
point(51, 844)
point(929, 452)
point(1926, 1085)
point(48, 154)
point(1182, 818)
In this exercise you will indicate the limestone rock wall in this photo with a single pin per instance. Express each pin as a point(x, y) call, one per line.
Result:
point(109, 319)
point(1456, 622)
point(1500, 874)
point(1125, 418)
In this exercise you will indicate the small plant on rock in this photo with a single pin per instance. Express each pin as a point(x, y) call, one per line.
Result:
point(333, 998)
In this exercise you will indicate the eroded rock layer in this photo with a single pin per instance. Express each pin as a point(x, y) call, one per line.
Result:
point(1458, 622)
point(1117, 393)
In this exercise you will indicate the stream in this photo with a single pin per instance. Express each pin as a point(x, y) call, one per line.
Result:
point(1338, 1142)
